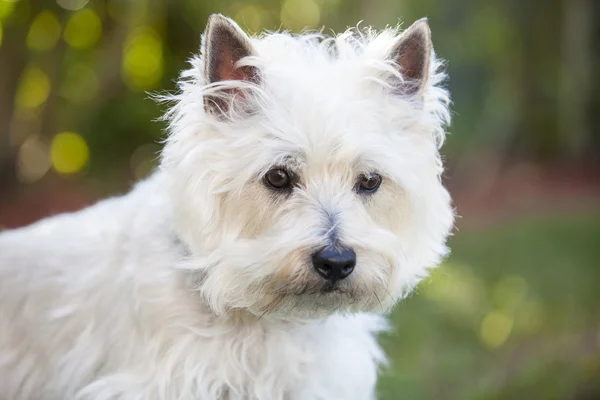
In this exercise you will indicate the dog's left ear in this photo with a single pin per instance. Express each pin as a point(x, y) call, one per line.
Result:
point(412, 55)
point(224, 44)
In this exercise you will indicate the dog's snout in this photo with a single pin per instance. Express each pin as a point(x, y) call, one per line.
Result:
point(334, 263)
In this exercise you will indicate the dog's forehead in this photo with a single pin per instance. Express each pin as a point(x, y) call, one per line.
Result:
point(325, 86)
point(316, 147)
point(322, 102)
point(347, 137)
point(310, 68)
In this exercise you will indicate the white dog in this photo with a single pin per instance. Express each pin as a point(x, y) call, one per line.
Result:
point(298, 197)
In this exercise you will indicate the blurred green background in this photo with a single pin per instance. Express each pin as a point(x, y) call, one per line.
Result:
point(514, 313)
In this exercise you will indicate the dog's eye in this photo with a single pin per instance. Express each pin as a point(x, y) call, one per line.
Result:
point(278, 179)
point(369, 183)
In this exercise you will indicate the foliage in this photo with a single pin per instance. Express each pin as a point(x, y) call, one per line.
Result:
point(85, 67)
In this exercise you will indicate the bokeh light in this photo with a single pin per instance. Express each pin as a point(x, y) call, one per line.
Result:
point(142, 66)
point(455, 287)
point(495, 329)
point(33, 89)
point(83, 29)
point(6, 9)
point(329, 3)
point(33, 160)
point(72, 5)
point(44, 32)
point(69, 153)
point(299, 14)
point(80, 85)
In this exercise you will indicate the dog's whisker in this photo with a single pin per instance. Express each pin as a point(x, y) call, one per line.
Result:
point(388, 292)
point(377, 297)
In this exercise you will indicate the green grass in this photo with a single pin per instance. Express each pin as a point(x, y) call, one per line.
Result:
point(514, 313)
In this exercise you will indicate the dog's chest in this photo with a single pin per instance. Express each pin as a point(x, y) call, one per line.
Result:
point(278, 362)
point(259, 362)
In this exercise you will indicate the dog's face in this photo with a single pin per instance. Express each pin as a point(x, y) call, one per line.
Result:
point(305, 173)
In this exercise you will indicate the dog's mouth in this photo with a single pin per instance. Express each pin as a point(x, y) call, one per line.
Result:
point(315, 289)
point(315, 298)
point(331, 287)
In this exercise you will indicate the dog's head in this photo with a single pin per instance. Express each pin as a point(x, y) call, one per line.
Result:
point(304, 170)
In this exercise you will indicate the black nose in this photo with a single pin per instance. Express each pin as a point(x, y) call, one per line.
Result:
point(334, 263)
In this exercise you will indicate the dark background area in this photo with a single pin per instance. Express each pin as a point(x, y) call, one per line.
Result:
point(512, 314)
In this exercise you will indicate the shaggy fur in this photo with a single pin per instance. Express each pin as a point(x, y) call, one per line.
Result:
point(198, 284)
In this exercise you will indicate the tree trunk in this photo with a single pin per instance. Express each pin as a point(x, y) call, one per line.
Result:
point(576, 89)
point(12, 63)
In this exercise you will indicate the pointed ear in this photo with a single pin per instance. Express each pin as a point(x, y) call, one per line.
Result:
point(412, 54)
point(224, 45)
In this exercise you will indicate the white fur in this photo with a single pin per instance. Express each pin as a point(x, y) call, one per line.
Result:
point(185, 287)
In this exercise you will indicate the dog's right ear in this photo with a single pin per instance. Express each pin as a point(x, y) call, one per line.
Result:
point(412, 54)
point(224, 44)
